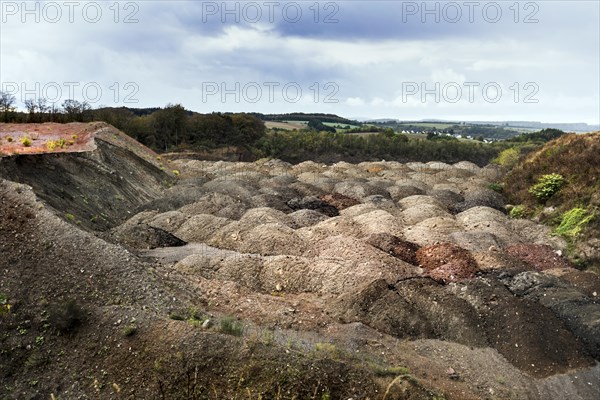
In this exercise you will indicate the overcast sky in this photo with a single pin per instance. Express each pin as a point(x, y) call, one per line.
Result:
point(465, 60)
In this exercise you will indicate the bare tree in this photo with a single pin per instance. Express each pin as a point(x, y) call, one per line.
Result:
point(7, 102)
point(75, 110)
point(43, 108)
point(31, 106)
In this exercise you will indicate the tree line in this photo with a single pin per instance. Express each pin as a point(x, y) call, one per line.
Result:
point(173, 128)
point(169, 128)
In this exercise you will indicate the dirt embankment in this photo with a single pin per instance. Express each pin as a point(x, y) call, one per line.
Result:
point(377, 280)
point(96, 183)
point(576, 157)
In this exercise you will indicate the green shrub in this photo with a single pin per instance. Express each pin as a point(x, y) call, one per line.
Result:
point(547, 186)
point(519, 211)
point(496, 187)
point(507, 158)
point(573, 222)
point(26, 142)
point(231, 326)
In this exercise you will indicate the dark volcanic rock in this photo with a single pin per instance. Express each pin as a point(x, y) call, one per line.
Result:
point(479, 197)
point(404, 250)
point(313, 203)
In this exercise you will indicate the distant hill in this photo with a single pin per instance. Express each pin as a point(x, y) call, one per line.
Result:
point(305, 117)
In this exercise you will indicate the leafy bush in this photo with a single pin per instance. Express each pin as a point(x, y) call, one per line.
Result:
point(519, 211)
point(547, 186)
point(573, 222)
point(507, 158)
point(25, 141)
point(231, 326)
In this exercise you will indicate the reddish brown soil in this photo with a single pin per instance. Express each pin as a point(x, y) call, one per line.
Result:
point(339, 201)
point(77, 136)
point(447, 262)
point(539, 256)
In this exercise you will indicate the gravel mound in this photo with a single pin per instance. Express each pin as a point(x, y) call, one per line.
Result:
point(476, 240)
point(269, 200)
point(447, 198)
point(431, 231)
point(201, 227)
point(469, 166)
point(359, 190)
point(417, 200)
point(341, 247)
point(169, 221)
point(217, 204)
point(399, 192)
point(417, 213)
point(233, 188)
point(379, 221)
point(304, 218)
point(271, 239)
point(498, 260)
point(480, 197)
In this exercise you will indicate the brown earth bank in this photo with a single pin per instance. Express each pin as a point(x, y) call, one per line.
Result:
point(576, 157)
point(268, 280)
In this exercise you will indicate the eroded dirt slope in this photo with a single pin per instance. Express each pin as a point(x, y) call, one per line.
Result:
point(96, 184)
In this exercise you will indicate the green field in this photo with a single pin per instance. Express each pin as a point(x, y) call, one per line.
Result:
point(439, 125)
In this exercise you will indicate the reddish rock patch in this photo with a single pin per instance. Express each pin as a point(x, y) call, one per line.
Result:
point(338, 200)
point(46, 138)
point(447, 262)
point(538, 256)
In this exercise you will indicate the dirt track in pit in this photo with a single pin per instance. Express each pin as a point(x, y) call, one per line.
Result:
point(346, 281)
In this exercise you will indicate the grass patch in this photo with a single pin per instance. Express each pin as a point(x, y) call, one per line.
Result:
point(573, 222)
point(389, 371)
point(496, 187)
point(129, 330)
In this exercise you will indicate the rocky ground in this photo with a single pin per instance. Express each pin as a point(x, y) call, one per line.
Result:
point(377, 280)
